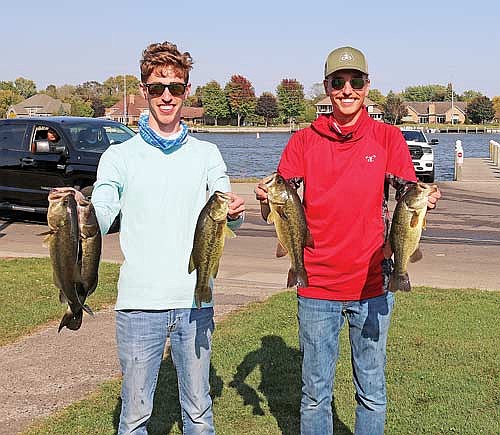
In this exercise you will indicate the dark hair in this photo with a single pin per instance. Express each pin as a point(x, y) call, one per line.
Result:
point(159, 57)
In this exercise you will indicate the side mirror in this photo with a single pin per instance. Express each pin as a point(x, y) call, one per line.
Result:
point(44, 146)
point(433, 141)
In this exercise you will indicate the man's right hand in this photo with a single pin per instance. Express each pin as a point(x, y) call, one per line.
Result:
point(261, 192)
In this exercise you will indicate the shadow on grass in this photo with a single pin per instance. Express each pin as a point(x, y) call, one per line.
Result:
point(280, 368)
point(166, 407)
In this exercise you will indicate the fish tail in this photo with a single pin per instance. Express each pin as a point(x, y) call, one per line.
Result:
point(297, 278)
point(71, 320)
point(399, 281)
point(202, 294)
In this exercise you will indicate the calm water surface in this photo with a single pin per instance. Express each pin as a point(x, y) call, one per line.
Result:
point(247, 155)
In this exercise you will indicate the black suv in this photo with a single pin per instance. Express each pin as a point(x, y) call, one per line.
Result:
point(43, 152)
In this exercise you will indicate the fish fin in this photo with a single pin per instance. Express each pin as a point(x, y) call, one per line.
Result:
point(71, 320)
point(309, 239)
point(399, 282)
point(215, 269)
point(46, 239)
point(45, 233)
point(414, 220)
point(424, 223)
point(62, 297)
point(283, 214)
point(281, 251)
point(88, 310)
point(272, 217)
point(416, 256)
point(297, 279)
point(202, 294)
point(228, 232)
point(191, 266)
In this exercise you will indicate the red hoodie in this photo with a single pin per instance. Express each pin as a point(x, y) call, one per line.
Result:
point(344, 178)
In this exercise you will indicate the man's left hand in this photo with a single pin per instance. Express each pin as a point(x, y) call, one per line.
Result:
point(236, 206)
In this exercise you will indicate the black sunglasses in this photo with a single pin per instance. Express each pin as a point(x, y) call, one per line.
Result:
point(356, 83)
point(157, 89)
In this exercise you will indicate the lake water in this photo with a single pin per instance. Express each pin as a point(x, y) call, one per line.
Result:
point(247, 155)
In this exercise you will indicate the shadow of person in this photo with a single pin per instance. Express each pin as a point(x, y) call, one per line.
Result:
point(280, 368)
point(166, 408)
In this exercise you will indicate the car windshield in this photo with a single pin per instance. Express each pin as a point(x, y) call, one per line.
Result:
point(413, 135)
point(97, 136)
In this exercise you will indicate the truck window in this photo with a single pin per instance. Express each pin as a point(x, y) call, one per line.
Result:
point(12, 136)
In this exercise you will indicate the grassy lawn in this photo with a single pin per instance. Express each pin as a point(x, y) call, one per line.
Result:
point(443, 364)
point(29, 298)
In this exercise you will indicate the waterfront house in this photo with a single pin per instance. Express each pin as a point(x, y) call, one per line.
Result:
point(324, 106)
point(435, 112)
point(39, 105)
point(137, 105)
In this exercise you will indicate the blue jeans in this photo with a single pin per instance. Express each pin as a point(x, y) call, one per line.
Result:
point(141, 338)
point(320, 323)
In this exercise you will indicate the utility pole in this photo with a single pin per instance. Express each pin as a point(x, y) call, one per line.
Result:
point(452, 112)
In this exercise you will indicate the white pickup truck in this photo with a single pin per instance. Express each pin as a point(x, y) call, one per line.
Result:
point(421, 153)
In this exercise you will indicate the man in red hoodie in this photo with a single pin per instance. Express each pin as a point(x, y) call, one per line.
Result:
point(346, 162)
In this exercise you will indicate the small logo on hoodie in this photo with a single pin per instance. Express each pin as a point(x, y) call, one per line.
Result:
point(370, 159)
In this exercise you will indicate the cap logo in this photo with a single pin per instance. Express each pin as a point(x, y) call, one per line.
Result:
point(346, 57)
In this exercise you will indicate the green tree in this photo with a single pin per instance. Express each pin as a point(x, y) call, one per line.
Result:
point(290, 99)
point(51, 91)
point(8, 86)
point(240, 95)
point(7, 99)
point(214, 101)
point(114, 87)
point(267, 107)
point(425, 93)
point(470, 95)
point(394, 108)
point(79, 107)
point(25, 87)
point(376, 96)
point(480, 110)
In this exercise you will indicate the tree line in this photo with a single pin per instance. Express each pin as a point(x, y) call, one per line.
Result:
point(237, 103)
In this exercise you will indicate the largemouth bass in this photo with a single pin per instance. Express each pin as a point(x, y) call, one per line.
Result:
point(63, 242)
point(91, 245)
point(211, 231)
point(289, 220)
point(406, 229)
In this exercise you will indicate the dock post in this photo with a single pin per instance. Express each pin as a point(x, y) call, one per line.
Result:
point(459, 160)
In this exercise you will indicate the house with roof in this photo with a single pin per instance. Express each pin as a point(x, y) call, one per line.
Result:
point(137, 105)
point(39, 105)
point(324, 106)
point(435, 112)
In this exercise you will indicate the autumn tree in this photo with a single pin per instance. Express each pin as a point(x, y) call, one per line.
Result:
point(394, 108)
point(496, 107)
point(7, 99)
point(214, 101)
point(267, 107)
point(480, 110)
point(290, 99)
point(240, 95)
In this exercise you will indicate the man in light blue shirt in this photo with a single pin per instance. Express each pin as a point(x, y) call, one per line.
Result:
point(158, 180)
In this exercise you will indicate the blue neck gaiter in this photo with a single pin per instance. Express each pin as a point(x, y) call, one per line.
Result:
point(152, 138)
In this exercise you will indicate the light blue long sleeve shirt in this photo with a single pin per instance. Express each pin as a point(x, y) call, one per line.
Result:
point(160, 197)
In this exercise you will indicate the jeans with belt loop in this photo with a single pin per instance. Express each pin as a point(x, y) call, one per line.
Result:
point(320, 323)
point(141, 338)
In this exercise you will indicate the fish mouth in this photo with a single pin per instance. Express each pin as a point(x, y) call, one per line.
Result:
point(60, 193)
point(224, 196)
point(269, 179)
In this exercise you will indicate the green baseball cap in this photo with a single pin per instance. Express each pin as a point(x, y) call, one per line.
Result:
point(345, 58)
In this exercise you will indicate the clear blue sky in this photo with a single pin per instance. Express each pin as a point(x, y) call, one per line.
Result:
point(406, 44)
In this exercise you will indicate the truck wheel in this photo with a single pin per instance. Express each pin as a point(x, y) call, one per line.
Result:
point(430, 177)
